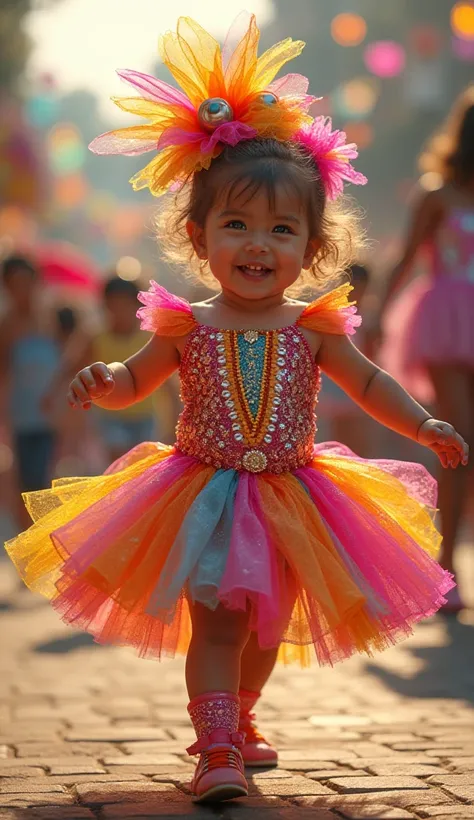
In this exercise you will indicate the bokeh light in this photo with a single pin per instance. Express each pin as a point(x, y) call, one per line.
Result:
point(66, 149)
point(128, 268)
point(6, 458)
point(463, 49)
point(462, 20)
point(426, 40)
point(71, 191)
point(357, 98)
point(348, 29)
point(385, 58)
point(431, 181)
point(361, 133)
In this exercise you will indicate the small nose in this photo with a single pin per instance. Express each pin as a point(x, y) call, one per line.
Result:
point(257, 242)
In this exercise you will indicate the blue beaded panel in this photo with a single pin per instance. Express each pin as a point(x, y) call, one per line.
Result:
point(251, 361)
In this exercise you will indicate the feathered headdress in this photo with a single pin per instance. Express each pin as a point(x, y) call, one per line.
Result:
point(228, 95)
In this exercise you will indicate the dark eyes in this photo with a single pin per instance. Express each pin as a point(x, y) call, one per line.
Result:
point(238, 225)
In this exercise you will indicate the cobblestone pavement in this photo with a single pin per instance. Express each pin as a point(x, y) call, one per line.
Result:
point(93, 732)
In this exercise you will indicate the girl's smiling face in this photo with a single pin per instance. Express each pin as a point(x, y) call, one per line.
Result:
point(255, 247)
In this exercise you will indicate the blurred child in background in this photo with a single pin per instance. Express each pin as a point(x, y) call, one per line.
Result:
point(429, 331)
point(30, 355)
point(121, 338)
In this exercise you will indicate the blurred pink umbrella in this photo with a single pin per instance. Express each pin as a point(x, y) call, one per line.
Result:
point(65, 265)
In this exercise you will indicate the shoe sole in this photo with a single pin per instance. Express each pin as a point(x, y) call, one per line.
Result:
point(226, 791)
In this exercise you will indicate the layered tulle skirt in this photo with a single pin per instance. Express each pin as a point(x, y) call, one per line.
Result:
point(337, 557)
point(431, 323)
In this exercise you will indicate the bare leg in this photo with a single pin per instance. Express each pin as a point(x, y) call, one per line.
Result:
point(213, 660)
point(453, 387)
point(256, 665)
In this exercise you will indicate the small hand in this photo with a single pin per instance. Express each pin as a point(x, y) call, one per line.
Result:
point(442, 438)
point(93, 382)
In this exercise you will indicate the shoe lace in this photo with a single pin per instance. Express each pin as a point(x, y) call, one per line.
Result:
point(247, 725)
point(219, 758)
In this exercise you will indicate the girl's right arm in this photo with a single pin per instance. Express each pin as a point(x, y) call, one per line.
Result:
point(118, 385)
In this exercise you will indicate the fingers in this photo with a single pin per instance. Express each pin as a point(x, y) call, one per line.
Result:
point(90, 384)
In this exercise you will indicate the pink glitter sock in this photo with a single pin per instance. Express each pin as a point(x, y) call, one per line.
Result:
point(214, 710)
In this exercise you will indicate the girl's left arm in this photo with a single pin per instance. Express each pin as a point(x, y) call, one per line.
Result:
point(383, 398)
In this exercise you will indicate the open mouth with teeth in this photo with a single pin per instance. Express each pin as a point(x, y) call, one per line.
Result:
point(255, 271)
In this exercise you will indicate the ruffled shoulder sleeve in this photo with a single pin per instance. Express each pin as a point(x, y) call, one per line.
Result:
point(163, 313)
point(331, 313)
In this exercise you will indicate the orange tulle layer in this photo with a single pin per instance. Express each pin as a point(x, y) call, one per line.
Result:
point(337, 557)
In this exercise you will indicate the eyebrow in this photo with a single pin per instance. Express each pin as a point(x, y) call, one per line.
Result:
point(279, 217)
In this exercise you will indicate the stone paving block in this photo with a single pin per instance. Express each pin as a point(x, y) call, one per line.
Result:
point(395, 737)
point(401, 758)
point(145, 760)
point(153, 771)
point(75, 779)
point(406, 769)
point(124, 811)
point(288, 787)
point(460, 751)
point(415, 746)
point(48, 813)
point(93, 768)
point(367, 749)
point(459, 765)
point(447, 811)
point(452, 779)
point(411, 800)
point(22, 771)
point(255, 776)
point(24, 801)
point(306, 765)
point(5, 751)
point(376, 813)
point(120, 734)
point(97, 794)
point(356, 785)
point(316, 754)
point(327, 774)
point(155, 747)
point(339, 720)
point(465, 793)
point(19, 787)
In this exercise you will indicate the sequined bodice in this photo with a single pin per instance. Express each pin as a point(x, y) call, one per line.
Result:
point(249, 399)
point(453, 251)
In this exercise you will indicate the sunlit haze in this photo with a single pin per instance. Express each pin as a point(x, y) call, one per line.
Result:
point(82, 42)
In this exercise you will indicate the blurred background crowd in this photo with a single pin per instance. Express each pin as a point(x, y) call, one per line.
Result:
point(76, 243)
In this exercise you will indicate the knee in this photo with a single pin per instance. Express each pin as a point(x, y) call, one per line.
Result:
point(228, 630)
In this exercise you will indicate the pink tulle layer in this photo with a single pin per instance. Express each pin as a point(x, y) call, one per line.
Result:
point(432, 322)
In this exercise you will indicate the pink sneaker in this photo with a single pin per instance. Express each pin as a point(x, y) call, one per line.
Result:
point(220, 770)
point(256, 751)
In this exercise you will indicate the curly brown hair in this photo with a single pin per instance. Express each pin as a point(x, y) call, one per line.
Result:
point(450, 151)
point(243, 170)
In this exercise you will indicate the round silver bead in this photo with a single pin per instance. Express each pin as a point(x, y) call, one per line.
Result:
point(214, 112)
point(268, 98)
point(267, 439)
